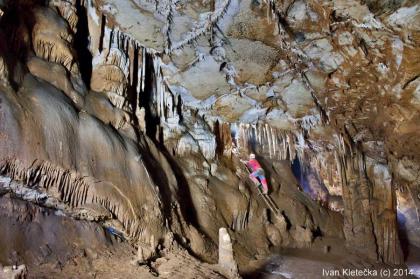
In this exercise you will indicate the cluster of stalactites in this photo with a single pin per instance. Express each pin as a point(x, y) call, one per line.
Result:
point(72, 189)
point(119, 69)
point(168, 104)
point(268, 141)
point(129, 57)
point(68, 11)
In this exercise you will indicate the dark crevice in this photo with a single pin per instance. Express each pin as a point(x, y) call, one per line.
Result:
point(184, 193)
point(101, 38)
point(179, 108)
point(146, 99)
point(410, 81)
point(288, 223)
point(81, 44)
point(132, 95)
point(16, 26)
point(310, 182)
point(158, 176)
point(317, 232)
point(219, 142)
point(402, 234)
point(154, 132)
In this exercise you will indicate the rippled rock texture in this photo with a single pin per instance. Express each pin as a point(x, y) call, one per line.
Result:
point(134, 114)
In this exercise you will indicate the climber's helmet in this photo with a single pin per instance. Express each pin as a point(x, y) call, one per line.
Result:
point(252, 156)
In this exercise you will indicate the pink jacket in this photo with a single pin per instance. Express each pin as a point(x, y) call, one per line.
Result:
point(254, 165)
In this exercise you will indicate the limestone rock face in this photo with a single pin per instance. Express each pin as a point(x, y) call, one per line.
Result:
point(52, 38)
point(135, 114)
point(303, 237)
point(56, 75)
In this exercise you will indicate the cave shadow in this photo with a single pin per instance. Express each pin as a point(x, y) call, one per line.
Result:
point(304, 174)
point(132, 96)
point(402, 235)
point(16, 25)
point(265, 269)
point(81, 44)
point(219, 143)
point(154, 132)
point(183, 194)
point(256, 274)
point(146, 98)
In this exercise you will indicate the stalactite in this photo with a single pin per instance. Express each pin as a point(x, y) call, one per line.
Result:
point(74, 191)
point(268, 141)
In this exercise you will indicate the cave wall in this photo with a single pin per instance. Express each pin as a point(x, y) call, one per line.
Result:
point(148, 122)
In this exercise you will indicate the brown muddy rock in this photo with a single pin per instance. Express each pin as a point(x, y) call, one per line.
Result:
point(146, 251)
point(56, 75)
point(68, 11)
point(254, 22)
point(180, 265)
point(223, 106)
point(303, 236)
point(72, 165)
point(52, 39)
point(238, 206)
point(369, 211)
point(274, 235)
point(253, 61)
point(330, 86)
point(98, 104)
point(92, 212)
point(109, 78)
point(59, 237)
point(322, 51)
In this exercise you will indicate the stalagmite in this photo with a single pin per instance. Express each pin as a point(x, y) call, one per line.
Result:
point(226, 259)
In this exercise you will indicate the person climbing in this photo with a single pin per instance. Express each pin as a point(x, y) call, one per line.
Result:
point(257, 175)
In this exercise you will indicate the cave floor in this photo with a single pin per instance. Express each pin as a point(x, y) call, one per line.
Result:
point(315, 262)
point(290, 263)
point(413, 260)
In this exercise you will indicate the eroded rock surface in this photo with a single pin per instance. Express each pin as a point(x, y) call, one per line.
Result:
point(134, 115)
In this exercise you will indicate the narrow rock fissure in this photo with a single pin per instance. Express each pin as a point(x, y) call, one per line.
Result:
point(81, 40)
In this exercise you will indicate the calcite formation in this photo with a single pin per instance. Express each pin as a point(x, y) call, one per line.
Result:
point(226, 258)
point(134, 114)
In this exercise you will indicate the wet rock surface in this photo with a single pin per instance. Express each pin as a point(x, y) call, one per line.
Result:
point(133, 116)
